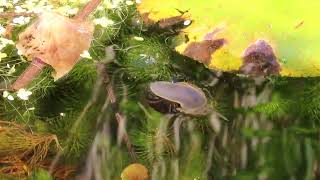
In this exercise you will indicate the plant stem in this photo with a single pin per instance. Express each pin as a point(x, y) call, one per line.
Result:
point(9, 15)
point(33, 70)
point(101, 69)
point(87, 10)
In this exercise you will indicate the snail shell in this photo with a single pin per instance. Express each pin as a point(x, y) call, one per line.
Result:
point(160, 104)
point(190, 99)
point(135, 172)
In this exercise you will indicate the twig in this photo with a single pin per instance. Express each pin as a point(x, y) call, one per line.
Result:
point(111, 96)
point(125, 137)
point(55, 162)
point(33, 70)
point(9, 30)
point(87, 10)
point(9, 15)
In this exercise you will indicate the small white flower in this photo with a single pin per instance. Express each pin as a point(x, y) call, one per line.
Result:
point(5, 94)
point(62, 114)
point(19, 52)
point(3, 2)
point(138, 1)
point(5, 41)
point(187, 22)
point(24, 94)
point(19, 9)
point(138, 38)
point(104, 22)
point(32, 108)
point(2, 55)
point(72, 11)
point(86, 54)
point(48, 8)
point(12, 69)
point(112, 4)
point(21, 20)
point(10, 97)
point(100, 8)
point(67, 10)
point(2, 30)
point(37, 10)
point(129, 3)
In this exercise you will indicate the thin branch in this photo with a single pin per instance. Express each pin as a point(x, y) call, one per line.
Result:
point(10, 15)
point(120, 119)
point(33, 70)
point(9, 30)
point(87, 10)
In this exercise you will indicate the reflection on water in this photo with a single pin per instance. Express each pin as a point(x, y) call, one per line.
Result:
point(260, 128)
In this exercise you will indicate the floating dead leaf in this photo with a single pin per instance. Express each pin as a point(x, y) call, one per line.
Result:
point(60, 45)
point(259, 59)
point(292, 36)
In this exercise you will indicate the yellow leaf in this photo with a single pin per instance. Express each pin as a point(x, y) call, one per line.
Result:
point(250, 37)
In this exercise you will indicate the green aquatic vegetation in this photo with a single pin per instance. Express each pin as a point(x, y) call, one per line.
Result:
point(259, 127)
point(146, 58)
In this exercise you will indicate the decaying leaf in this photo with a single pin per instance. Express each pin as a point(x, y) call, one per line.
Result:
point(249, 37)
point(22, 150)
point(57, 40)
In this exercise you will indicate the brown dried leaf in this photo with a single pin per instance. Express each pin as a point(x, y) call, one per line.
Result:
point(57, 41)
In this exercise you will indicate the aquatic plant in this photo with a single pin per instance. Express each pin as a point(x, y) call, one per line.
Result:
point(132, 99)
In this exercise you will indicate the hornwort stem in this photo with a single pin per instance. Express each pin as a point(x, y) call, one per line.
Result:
point(35, 68)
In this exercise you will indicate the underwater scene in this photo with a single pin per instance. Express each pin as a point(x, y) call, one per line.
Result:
point(159, 90)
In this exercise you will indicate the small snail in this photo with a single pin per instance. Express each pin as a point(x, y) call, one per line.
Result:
point(168, 97)
point(135, 172)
